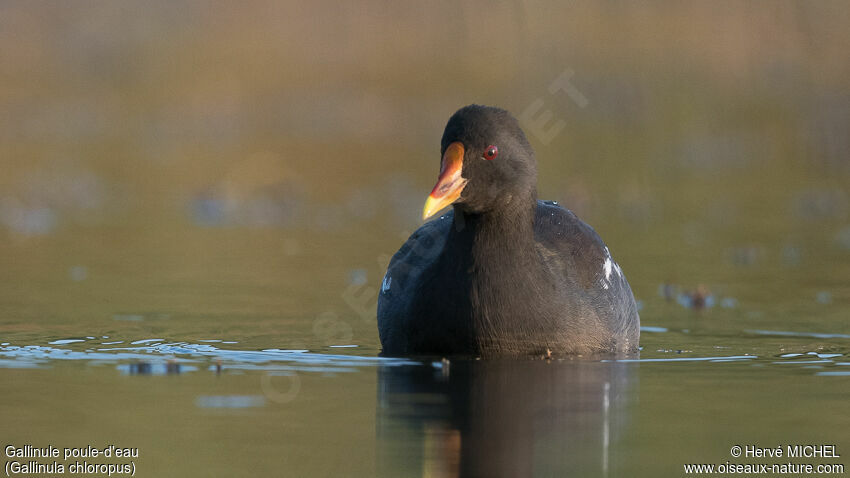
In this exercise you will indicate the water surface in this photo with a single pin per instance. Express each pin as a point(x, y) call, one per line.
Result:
point(198, 202)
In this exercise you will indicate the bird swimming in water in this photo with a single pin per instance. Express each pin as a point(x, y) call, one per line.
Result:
point(502, 273)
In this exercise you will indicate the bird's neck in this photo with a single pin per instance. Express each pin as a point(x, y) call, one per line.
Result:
point(495, 254)
point(499, 240)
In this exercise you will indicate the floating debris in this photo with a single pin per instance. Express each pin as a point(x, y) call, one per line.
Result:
point(698, 299)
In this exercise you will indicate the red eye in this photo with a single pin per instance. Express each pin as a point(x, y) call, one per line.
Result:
point(491, 152)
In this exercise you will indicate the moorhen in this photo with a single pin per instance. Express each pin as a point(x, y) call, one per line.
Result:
point(503, 273)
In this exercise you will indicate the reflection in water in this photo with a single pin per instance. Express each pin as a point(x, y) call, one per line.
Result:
point(503, 418)
point(170, 367)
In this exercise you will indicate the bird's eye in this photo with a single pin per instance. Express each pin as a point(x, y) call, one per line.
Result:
point(491, 152)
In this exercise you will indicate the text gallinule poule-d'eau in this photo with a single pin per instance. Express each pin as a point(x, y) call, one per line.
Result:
point(503, 273)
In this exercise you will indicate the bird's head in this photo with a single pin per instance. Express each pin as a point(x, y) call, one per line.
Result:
point(486, 162)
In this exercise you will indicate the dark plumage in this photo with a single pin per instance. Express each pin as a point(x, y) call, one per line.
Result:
point(503, 273)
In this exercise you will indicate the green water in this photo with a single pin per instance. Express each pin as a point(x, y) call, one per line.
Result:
point(239, 370)
point(197, 205)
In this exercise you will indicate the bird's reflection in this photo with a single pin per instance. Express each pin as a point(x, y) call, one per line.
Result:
point(503, 418)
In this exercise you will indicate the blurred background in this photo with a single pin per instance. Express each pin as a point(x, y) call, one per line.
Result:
point(180, 174)
point(197, 160)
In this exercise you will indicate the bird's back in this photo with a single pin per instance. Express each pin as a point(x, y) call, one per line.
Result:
point(592, 279)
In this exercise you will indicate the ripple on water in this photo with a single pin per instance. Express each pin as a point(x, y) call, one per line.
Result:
point(230, 401)
point(157, 356)
point(798, 334)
